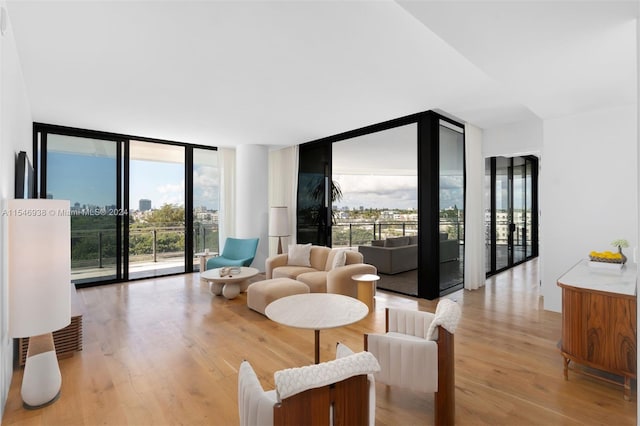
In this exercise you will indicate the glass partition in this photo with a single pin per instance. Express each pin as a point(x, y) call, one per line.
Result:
point(379, 200)
point(451, 194)
point(396, 179)
point(84, 171)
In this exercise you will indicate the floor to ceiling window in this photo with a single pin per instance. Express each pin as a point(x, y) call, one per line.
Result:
point(435, 157)
point(511, 217)
point(156, 204)
point(84, 171)
point(206, 200)
point(451, 195)
point(139, 207)
point(379, 200)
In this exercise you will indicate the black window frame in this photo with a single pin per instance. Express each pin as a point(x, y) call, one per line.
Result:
point(40, 132)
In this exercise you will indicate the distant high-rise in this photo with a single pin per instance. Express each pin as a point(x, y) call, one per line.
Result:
point(144, 205)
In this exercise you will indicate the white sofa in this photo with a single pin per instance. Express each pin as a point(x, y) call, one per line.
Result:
point(321, 276)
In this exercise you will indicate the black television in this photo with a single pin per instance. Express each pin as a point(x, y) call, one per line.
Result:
point(25, 185)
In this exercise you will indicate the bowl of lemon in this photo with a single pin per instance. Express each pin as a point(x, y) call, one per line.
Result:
point(607, 257)
point(615, 257)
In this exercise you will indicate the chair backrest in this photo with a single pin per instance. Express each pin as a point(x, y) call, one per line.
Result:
point(334, 392)
point(240, 248)
point(438, 327)
point(342, 403)
point(413, 323)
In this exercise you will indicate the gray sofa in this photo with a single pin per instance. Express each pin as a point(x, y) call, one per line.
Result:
point(393, 255)
point(400, 254)
point(449, 249)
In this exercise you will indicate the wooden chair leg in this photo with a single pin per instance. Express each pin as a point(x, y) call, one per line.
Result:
point(444, 399)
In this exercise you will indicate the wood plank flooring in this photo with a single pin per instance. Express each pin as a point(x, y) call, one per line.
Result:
point(165, 352)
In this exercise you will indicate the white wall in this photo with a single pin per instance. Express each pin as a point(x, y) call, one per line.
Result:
point(252, 199)
point(589, 190)
point(15, 136)
point(521, 138)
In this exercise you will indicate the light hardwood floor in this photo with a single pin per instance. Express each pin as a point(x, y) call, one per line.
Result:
point(164, 351)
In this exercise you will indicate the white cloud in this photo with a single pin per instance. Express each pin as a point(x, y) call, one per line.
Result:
point(377, 191)
point(170, 194)
point(376, 183)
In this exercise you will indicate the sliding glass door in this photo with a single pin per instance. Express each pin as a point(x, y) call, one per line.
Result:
point(511, 220)
point(139, 207)
point(503, 214)
point(156, 200)
point(85, 171)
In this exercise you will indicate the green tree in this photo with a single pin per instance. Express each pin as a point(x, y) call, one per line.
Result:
point(166, 215)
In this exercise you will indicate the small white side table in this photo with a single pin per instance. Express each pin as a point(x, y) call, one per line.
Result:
point(366, 289)
point(203, 256)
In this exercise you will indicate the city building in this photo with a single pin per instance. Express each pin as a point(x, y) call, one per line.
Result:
point(144, 205)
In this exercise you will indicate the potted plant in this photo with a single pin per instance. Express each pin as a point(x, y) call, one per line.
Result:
point(620, 244)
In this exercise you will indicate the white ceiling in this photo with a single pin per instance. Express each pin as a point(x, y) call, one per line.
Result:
point(281, 73)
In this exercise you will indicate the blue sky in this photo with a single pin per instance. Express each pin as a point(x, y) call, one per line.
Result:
point(162, 183)
point(92, 181)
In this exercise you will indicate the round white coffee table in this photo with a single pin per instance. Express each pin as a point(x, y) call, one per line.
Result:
point(229, 285)
point(316, 311)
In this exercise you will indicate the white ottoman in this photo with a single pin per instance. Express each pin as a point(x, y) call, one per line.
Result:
point(261, 293)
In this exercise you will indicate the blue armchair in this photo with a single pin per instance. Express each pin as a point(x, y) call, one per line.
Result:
point(236, 252)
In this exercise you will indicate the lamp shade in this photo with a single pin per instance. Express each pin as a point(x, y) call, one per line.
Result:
point(39, 266)
point(278, 222)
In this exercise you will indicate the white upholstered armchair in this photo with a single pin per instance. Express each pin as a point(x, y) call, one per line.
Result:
point(416, 352)
point(334, 392)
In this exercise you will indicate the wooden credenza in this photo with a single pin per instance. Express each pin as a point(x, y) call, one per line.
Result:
point(599, 321)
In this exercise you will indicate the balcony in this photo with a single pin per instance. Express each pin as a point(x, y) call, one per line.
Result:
point(153, 251)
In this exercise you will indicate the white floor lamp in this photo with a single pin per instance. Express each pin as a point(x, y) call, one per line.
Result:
point(279, 224)
point(39, 291)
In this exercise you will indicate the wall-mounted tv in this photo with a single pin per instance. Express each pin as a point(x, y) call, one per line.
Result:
point(25, 184)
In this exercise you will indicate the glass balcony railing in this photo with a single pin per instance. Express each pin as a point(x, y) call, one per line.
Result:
point(93, 251)
point(353, 234)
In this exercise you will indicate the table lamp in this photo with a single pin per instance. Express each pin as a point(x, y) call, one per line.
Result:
point(39, 265)
point(279, 224)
